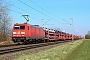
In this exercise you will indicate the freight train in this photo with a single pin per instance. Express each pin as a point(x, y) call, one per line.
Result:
point(26, 33)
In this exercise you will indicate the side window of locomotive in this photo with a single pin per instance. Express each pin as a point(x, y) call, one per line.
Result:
point(22, 27)
point(28, 28)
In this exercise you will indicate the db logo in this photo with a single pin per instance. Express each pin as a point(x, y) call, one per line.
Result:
point(18, 32)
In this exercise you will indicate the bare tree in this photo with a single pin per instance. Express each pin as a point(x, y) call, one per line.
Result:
point(87, 36)
point(5, 20)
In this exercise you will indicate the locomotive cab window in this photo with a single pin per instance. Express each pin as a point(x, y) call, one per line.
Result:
point(28, 27)
point(16, 27)
point(19, 27)
point(22, 27)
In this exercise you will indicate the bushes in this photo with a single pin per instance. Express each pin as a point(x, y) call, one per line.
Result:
point(4, 37)
point(87, 36)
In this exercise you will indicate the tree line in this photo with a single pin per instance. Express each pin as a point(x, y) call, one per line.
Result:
point(5, 21)
point(87, 36)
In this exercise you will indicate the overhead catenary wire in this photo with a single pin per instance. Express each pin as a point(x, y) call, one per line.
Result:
point(46, 11)
point(40, 7)
point(15, 11)
point(33, 8)
point(23, 10)
point(20, 9)
point(38, 10)
point(49, 13)
point(28, 11)
point(73, 27)
point(21, 13)
point(43, 9)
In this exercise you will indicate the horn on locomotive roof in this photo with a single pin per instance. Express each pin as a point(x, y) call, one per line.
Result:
point(26, 17)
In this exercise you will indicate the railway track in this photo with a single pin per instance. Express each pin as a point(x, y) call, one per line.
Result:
point(8, 45)
point(15, 48)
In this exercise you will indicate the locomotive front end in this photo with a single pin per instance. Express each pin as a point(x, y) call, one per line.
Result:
point(18, 33)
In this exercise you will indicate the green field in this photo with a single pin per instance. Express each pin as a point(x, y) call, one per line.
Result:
point(82, 52)
point(78, 50)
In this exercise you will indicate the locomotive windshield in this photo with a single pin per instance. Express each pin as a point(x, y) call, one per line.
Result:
point(16, 27)
point(22, 27)
point(19, 27)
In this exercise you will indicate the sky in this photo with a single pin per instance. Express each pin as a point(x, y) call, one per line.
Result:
point(53, 14)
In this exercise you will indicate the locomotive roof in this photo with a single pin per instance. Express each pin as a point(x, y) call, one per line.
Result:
point(21, 23)
point(36, 26)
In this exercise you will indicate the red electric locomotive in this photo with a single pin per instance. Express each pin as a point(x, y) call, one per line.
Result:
point(27, 33)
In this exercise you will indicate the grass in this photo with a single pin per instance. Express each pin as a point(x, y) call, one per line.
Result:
point(82, 52)
point(57, 53)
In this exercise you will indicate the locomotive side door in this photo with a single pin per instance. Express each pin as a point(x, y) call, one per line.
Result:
point(28, 31)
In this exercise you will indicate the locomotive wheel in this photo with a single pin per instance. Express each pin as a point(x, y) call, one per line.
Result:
point(44, 41)
point(36, 41)
point(25, 42)
point(18, 43)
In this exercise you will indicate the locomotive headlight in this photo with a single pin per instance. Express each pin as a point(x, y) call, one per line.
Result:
point(22, 32)
point(14, 32)
point(22, 35)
